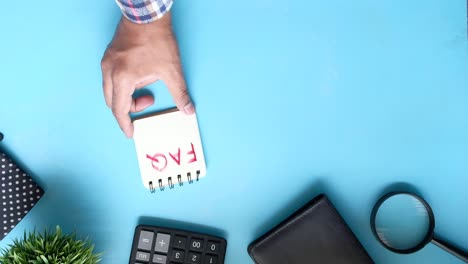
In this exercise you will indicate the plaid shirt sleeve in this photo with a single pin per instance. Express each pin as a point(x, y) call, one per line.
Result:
point(144, 11)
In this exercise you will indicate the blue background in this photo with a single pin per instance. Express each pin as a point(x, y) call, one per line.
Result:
point(343, 97)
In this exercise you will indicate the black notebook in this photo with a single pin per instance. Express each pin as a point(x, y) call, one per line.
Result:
point(316, 233)
point(18, 193)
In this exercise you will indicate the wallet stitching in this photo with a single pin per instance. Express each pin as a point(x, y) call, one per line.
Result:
point(280, 229)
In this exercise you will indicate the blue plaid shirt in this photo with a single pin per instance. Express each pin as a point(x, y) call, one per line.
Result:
point(144, 11)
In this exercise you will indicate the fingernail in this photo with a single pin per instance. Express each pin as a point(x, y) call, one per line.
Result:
point(189, 109)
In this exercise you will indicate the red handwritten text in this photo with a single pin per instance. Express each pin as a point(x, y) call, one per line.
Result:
point(156, 163)
point(160, 162)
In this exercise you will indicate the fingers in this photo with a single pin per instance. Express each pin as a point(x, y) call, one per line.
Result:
point(121, 105)
point(178, 89)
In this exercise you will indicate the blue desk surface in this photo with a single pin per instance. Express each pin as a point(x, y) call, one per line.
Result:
point(294, 99)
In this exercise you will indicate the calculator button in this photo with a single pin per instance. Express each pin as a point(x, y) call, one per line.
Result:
point(146, 240)
point(162, 243)
point(211, 259)
point(142, 256)
point(196, 244)
point(160, 259)
point(179, 242)
point(178, 255)
point(194, 258)
point(212, 247)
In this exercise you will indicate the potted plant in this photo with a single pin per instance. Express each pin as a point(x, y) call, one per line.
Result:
point(50, 248)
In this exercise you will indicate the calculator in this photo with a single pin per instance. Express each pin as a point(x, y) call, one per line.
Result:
point(161, 245)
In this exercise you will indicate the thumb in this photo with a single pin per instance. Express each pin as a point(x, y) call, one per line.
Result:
point(141, 103)
point(176, 84)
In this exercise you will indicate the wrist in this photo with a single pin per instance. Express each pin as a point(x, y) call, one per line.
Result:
point(159, 26)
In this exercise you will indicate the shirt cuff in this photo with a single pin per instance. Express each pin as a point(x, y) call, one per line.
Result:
point(144, 11)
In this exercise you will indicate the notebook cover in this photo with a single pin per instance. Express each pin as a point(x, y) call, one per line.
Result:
point(169, 149)
point(316, 233)
point(18, 194)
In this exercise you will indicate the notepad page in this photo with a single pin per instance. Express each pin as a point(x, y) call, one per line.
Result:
point(168, 144)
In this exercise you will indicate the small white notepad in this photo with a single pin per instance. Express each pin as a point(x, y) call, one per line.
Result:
point(169, 149)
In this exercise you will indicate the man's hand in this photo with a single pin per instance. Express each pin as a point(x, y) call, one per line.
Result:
point(138, 55)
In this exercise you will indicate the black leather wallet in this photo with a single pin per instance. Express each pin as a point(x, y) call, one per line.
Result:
point(316, 233)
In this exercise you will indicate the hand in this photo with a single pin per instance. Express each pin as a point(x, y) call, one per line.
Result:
point(138, 55)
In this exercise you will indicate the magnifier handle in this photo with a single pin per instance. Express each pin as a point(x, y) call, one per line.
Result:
point(452, 249)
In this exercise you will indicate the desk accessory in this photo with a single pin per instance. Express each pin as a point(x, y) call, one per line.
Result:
point(18, 193)
point(163, 245)
point(316, 233)
point(404, 223)
point(169, 149)
point(50, 247)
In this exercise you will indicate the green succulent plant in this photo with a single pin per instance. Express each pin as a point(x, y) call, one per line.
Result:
point(49, 248)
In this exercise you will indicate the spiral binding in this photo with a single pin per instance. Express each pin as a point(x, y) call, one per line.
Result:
point(171, 184)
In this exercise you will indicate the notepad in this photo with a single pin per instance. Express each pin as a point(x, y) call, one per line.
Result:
point(169, 149)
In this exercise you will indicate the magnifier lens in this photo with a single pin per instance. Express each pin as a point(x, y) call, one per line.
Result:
point(402, 222)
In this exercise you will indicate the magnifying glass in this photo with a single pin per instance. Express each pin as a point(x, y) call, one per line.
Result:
point(404, 223)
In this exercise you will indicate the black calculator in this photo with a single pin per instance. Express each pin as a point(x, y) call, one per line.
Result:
point(161, 245)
